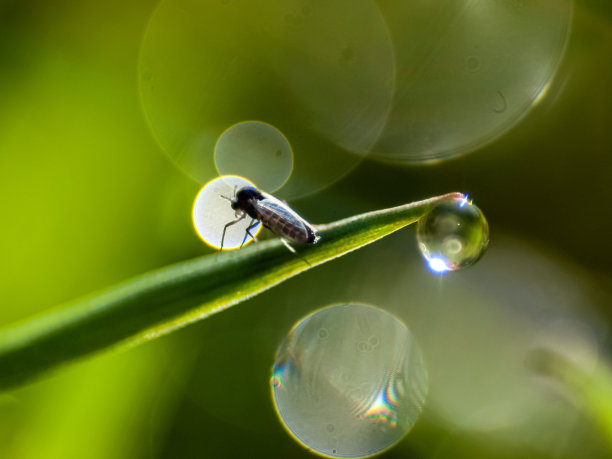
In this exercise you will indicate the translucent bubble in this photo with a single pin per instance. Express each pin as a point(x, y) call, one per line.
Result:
point(342, 393)
point(467, 71)
point(257, 150)
point(212, 211)
point(453, 235)
point(324, 81)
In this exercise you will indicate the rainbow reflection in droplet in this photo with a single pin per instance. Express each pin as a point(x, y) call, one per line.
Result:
point(349, 381)
point(454, 235)
point(383, 410)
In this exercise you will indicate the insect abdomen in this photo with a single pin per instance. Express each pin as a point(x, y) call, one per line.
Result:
point(293, 231)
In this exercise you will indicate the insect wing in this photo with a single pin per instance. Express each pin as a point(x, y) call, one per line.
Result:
point(274, 210)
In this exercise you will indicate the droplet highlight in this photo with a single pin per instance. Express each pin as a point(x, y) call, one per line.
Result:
point(342, 396)
point(454, 235)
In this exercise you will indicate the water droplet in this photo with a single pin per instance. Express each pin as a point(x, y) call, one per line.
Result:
point(453, 235)
point(257, 150)
point(333, 397)
point(211, 212)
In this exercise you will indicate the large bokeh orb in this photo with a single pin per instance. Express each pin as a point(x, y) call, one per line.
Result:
point(349, 381)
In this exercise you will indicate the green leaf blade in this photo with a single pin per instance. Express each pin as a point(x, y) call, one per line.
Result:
point(161, 301)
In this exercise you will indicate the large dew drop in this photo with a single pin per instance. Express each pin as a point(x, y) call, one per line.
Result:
point(349, 381)
point(454, 235)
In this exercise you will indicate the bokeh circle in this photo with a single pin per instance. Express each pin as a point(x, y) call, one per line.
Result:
point(349, 380)
point(256, 150)
point(467, 72)
point(212, 211)
point(322, 73)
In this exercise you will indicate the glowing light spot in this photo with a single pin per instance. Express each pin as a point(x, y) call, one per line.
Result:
point(465, 201)
point(211, 212)
point(438, 264)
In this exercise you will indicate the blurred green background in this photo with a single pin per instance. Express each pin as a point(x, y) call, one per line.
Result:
point(90, 194)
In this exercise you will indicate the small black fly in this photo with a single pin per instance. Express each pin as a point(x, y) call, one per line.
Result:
point(274, 214)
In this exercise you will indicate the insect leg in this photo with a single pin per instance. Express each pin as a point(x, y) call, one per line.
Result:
point(292, 250)
point(226, 226)
point(248, 231)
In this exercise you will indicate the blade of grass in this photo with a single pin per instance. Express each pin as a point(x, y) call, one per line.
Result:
point(158, 302)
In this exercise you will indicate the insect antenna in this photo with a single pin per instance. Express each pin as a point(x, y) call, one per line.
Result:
point(230, 199)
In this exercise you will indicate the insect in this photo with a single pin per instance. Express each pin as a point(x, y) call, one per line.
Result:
point(274, 214)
